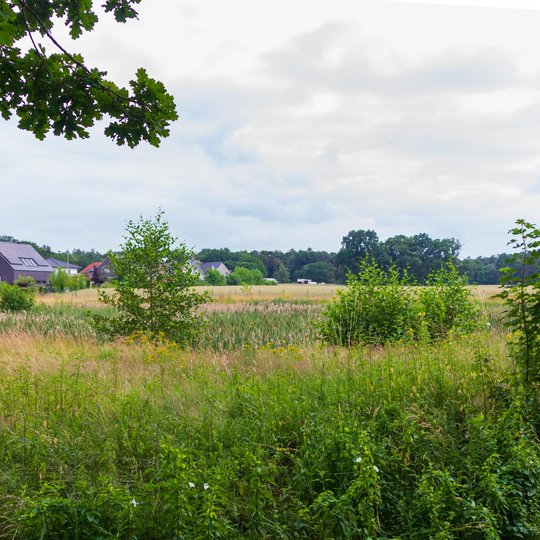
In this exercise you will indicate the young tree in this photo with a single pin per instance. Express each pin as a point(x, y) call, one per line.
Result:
point(521, 294)
point(153, 286)
point(58, 91)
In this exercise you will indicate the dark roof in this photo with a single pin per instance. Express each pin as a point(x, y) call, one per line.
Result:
point(16, 254)
point(55, 263)
point(205, 266)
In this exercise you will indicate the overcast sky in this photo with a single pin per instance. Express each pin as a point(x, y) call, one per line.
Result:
point(301, 121)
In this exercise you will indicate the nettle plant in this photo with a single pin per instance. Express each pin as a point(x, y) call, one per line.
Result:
point(380, 306)
point(521, 293)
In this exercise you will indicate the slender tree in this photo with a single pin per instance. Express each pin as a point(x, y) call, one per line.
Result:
point(153, 290)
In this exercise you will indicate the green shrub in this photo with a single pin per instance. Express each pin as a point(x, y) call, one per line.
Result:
point(59, 280)
point(375, 307)
point(77, 282)
point(245, 276)
point(447, 304)
point(214, 277)
point(380, 306)
point(15, 298)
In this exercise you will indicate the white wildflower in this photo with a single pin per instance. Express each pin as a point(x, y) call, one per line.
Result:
point(358, 460)
point(206, 486)
point(375, 468)
point(191, 484)
point(134, 503)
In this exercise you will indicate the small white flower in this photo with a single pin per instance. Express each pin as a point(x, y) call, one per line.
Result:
point(191, 484)
point(375, 468)
point(358, 460)
point(488, 325)
point(134, 503)
point(206, 486)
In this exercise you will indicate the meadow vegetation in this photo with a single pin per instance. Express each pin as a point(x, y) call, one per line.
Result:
point(259, 429)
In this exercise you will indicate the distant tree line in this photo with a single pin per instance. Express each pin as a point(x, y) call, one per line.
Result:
point(419, 254)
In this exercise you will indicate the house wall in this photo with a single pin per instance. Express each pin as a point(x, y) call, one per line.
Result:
point(40, 277)
point(6, 272)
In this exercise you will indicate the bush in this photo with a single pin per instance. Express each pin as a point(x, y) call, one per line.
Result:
point(59, 280)
point(379, 306)
point(447, 304)
point(245, 276)
point(15, 298)
point(375, 307)
point(214, 277)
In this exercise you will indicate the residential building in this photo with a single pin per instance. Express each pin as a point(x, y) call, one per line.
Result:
point(70, 268)
point(22, 260)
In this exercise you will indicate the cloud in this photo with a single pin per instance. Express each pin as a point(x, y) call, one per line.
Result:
point(320, 130)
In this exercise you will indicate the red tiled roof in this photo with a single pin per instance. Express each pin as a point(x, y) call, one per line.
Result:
point(91, 266)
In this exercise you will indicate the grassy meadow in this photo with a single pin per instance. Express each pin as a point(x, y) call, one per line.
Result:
point(260, 431)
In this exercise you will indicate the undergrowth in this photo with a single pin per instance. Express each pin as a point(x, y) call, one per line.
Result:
point(133, 441)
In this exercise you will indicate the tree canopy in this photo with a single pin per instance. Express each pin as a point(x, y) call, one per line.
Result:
point(56, 91)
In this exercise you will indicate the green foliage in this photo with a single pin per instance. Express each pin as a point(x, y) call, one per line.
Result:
point(281, 274)
point(16, 298)
point(379, 306)
point(320, 272)
point(59, 280)
point(153, 292)
point(521, 294)
point(357, 246)
point(77, 282)
point(57, 92)
point(279, 444)
point(245, 276)
point(214, 277)
point(376, 306)
point(447, 304)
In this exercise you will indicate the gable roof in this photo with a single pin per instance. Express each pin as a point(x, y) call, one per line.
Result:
point(23, 257)
point(55, 263)
point(91, 266)
point(205, 266)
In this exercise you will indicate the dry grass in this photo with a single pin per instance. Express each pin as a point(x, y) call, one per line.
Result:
point(233, 294)
point(86, 297)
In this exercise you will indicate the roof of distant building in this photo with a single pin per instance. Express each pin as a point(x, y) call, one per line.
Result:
point(91, 266)
point(55, 263)
point(23, 257)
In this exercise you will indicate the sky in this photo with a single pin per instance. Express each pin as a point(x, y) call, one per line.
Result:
point(300, 121)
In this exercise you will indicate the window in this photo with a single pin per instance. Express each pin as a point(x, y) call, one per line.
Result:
point(28, 262)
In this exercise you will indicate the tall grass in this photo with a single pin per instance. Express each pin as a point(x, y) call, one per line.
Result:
point(132, 441)
point(259, 432)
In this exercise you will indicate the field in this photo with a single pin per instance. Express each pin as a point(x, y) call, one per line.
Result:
point(259, 430)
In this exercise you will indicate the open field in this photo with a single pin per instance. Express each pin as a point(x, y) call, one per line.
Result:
point(260, 431)
point(229, 293)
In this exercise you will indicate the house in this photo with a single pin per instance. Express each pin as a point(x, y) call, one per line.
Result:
point(22, 260)
point(70, 268)
point(219, 266)
point(201, 268)
point(99, 272)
